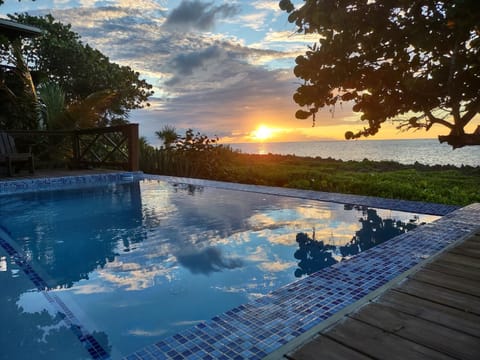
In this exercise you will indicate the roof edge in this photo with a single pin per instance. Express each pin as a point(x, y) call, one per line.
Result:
point(15, 28)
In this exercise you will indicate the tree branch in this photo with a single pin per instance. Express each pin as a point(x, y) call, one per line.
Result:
point(435, 120)
point(458, 141)
point(471, 113)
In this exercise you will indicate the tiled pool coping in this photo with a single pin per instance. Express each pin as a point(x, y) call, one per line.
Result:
point(266, 325)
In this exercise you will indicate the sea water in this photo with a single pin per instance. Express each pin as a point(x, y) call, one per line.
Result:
point(423, 151)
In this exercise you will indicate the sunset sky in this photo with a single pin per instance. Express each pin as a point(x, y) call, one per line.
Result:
point(223, 68)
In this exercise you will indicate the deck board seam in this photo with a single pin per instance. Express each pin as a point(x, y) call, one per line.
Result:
point(445, 287)
point(435, 302)
point(425, 319)
point(347, 346)
point(394, 333)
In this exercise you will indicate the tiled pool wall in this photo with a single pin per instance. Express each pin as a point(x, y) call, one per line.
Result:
point(265, 326)
point(65, 182)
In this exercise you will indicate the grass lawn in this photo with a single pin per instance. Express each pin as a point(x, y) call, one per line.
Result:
point(439, 184)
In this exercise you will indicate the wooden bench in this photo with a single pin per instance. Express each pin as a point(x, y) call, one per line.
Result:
point(10, 157)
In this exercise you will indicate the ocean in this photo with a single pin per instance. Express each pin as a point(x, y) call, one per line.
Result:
point(424, 151)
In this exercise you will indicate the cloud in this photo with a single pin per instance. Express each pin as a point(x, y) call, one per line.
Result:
point(87, 289)
point(133, 277)
point(147, 333)
point(208, 261)
point(197, 15)
point(187, 322)
point(267, 5)
point(291, 37)
point(255, 21)
point(276, 266)
point(229, 289)
point(185, 64)
point(257, 255)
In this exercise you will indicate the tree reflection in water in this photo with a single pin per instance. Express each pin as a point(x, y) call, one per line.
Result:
point(35, 333)
point(315, 254)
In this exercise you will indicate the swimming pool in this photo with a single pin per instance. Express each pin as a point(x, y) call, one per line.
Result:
point(138, 261)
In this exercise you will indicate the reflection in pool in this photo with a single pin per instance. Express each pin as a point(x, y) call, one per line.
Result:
point(142, 260)
point(317, 254)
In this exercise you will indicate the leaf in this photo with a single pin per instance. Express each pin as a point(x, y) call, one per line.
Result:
point(302, 114)
point(286, 5)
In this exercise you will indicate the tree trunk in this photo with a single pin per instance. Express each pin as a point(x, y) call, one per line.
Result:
point(458, 141)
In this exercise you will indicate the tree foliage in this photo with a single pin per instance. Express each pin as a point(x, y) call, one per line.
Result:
point(85, 113)
point(59, 56)
point(18, 98)
point(168, 134)
point(190, 155)
point(415, 62)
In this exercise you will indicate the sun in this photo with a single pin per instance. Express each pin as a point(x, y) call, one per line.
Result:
point(262, 133)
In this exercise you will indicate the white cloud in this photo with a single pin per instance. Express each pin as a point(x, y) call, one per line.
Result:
point(290, 37)
point(187, 323)
point(257, 255)
point(267, 5)
point(147, 333)
point(87, 289)
point(132, 277)
point(276, 266)
point(255, 21)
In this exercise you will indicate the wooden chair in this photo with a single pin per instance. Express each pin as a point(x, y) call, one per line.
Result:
point(10, 157)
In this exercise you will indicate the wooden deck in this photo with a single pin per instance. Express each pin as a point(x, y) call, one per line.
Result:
point(433, 314)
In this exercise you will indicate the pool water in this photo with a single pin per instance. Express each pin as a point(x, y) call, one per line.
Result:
point(135, 262)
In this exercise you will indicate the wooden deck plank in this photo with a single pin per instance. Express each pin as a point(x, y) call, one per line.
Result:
point(463, 271)
point(440, 295)
point(380, 344)
point(448, 281)
point(467, 251)
point(326, 349)
point(451, 342)
point(437, 313)
point(460, 259)
point(469, 244)
point(475, 237)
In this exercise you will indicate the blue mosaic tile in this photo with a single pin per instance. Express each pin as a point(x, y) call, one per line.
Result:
point(64, 182)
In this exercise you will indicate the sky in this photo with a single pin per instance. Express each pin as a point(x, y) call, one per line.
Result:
point(222, 68)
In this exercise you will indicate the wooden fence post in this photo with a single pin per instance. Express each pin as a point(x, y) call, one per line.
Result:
point(76, 150)
point(133, 147)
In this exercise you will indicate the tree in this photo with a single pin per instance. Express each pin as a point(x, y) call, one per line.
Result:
point(413, 62)
point(168, 135)
point(86, 113)
point(59, 56)
point(18, 96)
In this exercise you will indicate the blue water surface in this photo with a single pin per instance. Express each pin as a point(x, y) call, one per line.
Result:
point(139, 261)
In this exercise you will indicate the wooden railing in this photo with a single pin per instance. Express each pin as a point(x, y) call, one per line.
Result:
point(112, 147)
